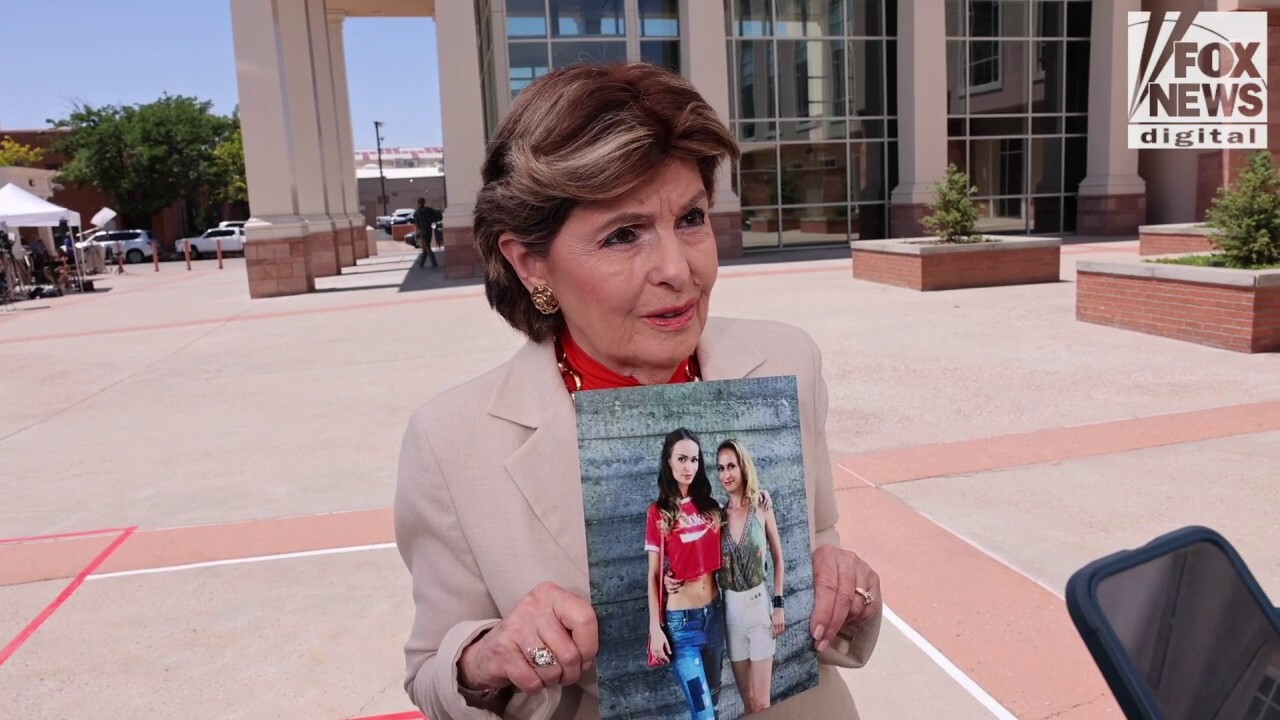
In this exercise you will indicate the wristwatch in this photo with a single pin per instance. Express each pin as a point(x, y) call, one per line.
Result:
point(777, 601)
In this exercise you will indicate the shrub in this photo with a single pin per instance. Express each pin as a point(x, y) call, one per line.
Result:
point(954, 218)
point(1246, 216)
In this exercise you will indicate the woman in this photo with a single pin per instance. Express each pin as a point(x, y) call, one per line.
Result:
point(686, 512)
point(593, 221)
point(754, 621)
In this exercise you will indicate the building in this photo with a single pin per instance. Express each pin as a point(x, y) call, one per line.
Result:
point(848, 112)
point(406, 174)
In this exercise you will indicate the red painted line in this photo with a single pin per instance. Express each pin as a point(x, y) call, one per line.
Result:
point(62, 598)
point(63, 536)
point(413, 715)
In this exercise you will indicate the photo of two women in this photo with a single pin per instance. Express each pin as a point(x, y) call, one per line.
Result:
point(725, 533)
point(707, 567)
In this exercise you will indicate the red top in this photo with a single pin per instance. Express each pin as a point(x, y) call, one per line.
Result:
point(598, 377)
point(692, 548)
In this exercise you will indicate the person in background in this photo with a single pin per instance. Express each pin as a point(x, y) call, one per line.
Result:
point(425, 219)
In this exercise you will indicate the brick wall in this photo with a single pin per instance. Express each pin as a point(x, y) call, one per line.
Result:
point(1233, 318)
point(949, 271)
point(278, 267)
point(1168, 244)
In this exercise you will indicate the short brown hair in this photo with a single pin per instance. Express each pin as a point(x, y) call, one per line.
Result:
point(577, 135)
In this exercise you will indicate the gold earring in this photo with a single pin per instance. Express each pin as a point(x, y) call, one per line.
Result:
point(544, 299)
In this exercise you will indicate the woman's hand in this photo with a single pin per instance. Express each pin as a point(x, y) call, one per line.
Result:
point(839, 579)
point(549, 616)
point(658, 645)
point(765, 501)
point(779, 622)
point(671, 584)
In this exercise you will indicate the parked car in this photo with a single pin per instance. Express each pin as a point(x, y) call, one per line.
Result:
point(403, 216)
point(136, 245)
point(232, 239)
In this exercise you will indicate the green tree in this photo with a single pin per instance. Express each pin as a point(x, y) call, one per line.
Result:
point(15, 154)
point(229, 158)
point(145, 157)
point(1245, 216)
point(954, 218)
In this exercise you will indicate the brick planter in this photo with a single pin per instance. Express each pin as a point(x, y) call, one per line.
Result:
point(912, 264)
point(1174, 239)
point(1235, 310)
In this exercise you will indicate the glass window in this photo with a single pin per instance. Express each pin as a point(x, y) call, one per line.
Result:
point(664, 53)
point(866, 172)
point(957, 77)
point(1047, 91)
point(753, 18)
point(758, 171)
point(808, 73)
point(997, 166)
point(866, 17)
point(528, 61)
point(1046, 214)
point(867, 77)
point(660, 18)
point(814, 173)
point(564, 54)
point(1079, 19)
point(573, 18)
point(526, 18)
point(1077, 80)
point(1046, 165)
point(755, 79)
point(759, 228)
point(999, 84)
point(808, 18)
point(1074, 163)
point(1049, 18)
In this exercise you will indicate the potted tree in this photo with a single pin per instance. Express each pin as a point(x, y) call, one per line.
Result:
point(1226, 297)
point(957, 255)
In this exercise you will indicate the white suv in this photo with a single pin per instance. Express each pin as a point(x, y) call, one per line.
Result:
point(232, 239)
point(136, 245)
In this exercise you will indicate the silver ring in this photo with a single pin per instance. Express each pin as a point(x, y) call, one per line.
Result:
point(540, 657)
point(867, 597)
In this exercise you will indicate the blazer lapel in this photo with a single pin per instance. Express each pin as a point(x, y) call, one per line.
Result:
point(546, 466)
point(723, 354)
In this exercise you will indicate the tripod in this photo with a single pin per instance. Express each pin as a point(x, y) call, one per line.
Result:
point(14, 282)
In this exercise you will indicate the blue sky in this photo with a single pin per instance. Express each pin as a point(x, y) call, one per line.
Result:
point(132, 51)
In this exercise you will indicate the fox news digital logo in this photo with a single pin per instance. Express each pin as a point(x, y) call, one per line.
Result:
point(1197, 80)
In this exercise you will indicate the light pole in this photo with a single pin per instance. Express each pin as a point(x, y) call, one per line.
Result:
point(377, 131)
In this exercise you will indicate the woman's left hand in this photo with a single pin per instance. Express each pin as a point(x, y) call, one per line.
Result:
point(840, 578)
point(779, 622)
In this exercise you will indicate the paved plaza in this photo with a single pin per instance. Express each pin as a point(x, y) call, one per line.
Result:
point(196, 486)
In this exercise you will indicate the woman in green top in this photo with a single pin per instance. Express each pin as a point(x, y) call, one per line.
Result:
point(753, 620)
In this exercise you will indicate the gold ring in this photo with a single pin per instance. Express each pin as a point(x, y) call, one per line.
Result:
point(540, 657)
point(867, 597)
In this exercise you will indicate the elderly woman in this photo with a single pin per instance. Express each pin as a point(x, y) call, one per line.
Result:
point(593, 225)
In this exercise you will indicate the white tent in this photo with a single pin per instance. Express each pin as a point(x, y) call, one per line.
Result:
point(19, 208)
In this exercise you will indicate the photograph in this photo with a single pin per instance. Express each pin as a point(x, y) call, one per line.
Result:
point(698, 544)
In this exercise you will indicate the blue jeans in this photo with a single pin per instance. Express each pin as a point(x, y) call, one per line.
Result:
point(697, 647)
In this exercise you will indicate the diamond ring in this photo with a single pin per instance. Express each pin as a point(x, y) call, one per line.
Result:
point(540, 657)
point(867, 597)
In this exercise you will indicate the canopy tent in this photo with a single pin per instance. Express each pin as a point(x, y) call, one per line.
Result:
point(19, 208)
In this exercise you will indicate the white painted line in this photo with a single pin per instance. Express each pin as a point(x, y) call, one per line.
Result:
point(240, 561)
point(982, 696)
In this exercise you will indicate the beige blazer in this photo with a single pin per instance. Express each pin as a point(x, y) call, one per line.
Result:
point(488, 505)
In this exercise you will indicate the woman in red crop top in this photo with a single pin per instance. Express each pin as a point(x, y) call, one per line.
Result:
point(682, 530)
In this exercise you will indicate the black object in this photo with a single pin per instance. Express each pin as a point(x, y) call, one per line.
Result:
point(777, 601)
point(1180, 628)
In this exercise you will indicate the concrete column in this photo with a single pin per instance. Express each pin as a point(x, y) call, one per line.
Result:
point(1113, 196)
point(922, 113)
point(330, 143)
point(275, 237)
point(346, 144)
point(304, 123)
point(462, 110)
point(704, 44)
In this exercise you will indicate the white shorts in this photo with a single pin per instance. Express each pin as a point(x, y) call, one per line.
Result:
point(749, 624)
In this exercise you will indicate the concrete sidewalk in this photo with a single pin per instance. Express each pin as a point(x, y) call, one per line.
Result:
point(172, 403)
